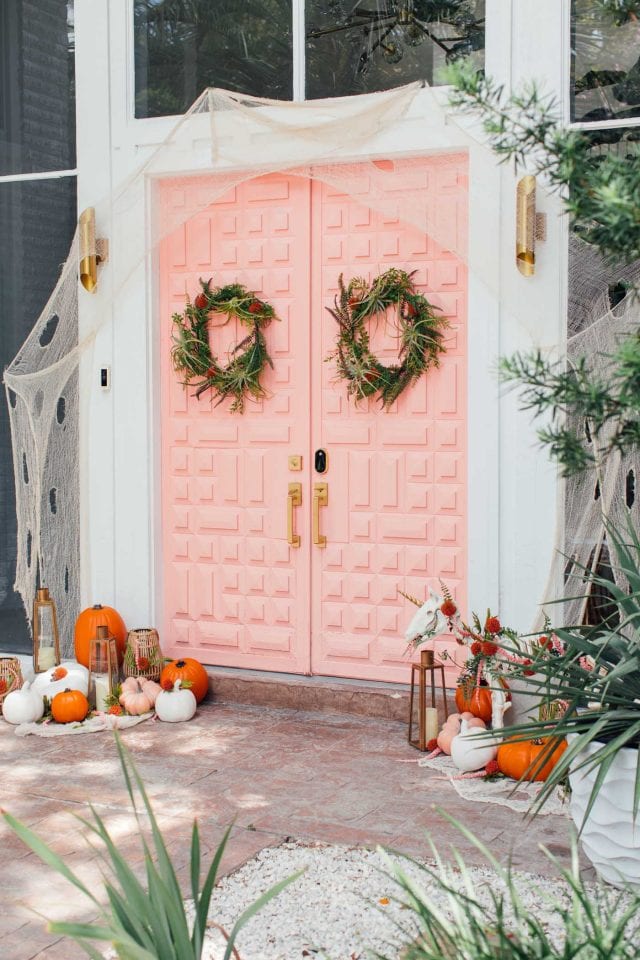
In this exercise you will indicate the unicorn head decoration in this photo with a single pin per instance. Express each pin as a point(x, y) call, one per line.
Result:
point(427, 622)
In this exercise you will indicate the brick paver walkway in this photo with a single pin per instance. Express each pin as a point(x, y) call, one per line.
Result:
point(277, 772)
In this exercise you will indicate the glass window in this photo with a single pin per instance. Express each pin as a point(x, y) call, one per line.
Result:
point(605, 81)
point(37, 102)
point(184, 46)
point(37, 222)
point(357, 47)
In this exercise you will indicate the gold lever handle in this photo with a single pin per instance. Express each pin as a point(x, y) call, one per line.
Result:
point(320, 499)
point(294, 499)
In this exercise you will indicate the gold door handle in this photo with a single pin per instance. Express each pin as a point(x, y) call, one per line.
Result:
point(320, 499)
point(294, 499)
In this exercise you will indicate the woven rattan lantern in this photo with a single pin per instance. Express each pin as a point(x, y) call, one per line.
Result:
point(46, 642)
point(103, 668)
point(427, 716)
point(143, 656)
point(10, 676)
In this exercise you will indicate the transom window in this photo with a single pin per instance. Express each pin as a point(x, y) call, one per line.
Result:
point(346, 47)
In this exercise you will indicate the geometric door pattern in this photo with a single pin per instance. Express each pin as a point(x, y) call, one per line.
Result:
point(236, 593)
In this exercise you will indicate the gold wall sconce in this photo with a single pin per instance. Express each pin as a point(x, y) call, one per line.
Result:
point(91, 251)
point(530, 226)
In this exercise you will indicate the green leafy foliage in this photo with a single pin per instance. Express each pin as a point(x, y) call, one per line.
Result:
point(597, 677)
point(603, 198)
point(608, 406)
point(143, 921)
point(457, 924)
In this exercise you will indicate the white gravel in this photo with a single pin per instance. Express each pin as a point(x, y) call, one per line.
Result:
point(334, 909)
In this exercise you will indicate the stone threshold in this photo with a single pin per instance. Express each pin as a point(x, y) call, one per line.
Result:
point(364, 698)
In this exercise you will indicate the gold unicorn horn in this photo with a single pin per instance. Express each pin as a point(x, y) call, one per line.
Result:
point(408, 596)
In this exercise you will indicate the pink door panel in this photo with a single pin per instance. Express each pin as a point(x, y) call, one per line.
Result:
point(397, 479)
point(235, 591)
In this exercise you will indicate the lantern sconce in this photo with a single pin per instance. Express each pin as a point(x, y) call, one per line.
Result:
point(91, 251)
point(530, 226)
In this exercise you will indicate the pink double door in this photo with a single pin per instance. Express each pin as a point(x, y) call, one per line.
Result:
point(269, 562)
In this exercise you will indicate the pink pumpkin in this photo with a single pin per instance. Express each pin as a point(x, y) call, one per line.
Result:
point(451, 729)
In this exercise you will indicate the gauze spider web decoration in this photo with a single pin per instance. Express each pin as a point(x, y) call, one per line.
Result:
point(224, 140)
point(41, 386)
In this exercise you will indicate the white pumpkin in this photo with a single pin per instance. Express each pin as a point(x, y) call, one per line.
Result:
point(175, 705)
point(470, 751)
point(76, 677)
point(23, 706)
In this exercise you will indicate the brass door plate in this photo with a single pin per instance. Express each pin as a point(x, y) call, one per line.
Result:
point(295, 462)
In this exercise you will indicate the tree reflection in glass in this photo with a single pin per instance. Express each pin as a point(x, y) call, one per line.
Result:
point(605, 60)
point(356, 46)
point(184, 46)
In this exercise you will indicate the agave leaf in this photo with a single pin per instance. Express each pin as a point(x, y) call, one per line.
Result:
point(203, 901)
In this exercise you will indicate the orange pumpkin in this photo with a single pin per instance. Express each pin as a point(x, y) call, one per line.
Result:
point(516, 757)
point(476, 700)
point(186, 669)
point(69, 706)
point(86, 627)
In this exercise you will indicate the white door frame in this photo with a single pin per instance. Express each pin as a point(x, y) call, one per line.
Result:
point(513, 490)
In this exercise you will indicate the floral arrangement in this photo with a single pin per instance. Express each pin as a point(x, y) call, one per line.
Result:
point(494, 651)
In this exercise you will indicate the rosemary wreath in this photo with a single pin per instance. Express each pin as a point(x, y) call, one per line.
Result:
point(191, 352)
point(420, 333)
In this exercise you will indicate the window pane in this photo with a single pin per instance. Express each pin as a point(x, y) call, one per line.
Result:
point(37, 221)
point(357, 47)
point(605, 62)
point(184, 46)
point(37, 99)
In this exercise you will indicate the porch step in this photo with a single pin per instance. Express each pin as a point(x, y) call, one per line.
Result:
point(364, 698)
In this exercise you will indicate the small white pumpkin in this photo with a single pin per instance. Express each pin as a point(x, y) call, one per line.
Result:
point(75, 677)
point(470, 751)
point(23, 706)
point(175, 706)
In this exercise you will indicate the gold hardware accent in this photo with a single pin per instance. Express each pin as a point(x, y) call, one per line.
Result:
point(294, 499)
point(295, 462)
point(320, 499)
point(91, 251)
point(530, 226)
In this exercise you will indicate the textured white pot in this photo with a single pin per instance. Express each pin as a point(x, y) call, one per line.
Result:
point(610, 838)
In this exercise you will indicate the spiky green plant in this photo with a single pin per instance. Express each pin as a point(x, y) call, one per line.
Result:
point(597, 677)
point(143, 921)
point(455, 923)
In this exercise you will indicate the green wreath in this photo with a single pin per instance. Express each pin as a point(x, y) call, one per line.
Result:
point(191, 353)
point(420, 332)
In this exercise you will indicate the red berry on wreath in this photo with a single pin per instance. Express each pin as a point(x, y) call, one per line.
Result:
point(410, 310)
point(489, 649)
point(256, 306)
point(476, 648)
point(201, 301)
point(492, 625)
point(448, 608)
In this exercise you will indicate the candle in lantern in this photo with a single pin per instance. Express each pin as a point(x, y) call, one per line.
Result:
point(431, 723)
point(101, 691)
point(46, 658)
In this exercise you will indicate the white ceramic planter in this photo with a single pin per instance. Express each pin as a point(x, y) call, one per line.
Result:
point(610, 838)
